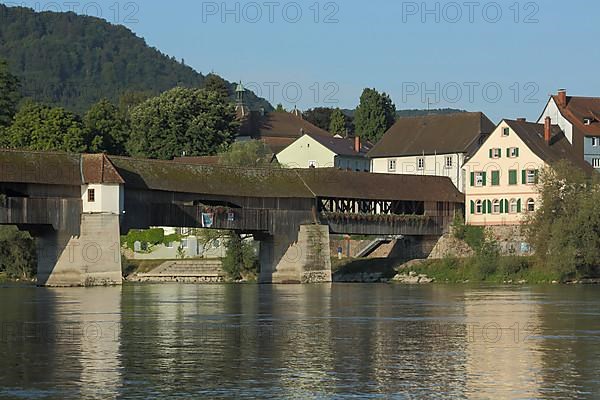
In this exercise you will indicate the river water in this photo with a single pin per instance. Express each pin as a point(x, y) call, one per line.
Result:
point(304, 342)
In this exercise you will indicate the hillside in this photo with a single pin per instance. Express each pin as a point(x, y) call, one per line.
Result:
point(73, 61)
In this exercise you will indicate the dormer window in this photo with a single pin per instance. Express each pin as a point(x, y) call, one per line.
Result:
point(91, 195)
point(587, 121)
point(596, 142)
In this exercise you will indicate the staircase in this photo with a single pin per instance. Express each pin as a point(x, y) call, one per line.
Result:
point(192, 271)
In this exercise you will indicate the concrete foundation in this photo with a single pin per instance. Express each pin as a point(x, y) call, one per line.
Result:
point(90, 257)
point(303, 257)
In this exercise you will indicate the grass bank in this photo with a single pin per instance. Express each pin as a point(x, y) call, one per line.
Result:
point(508, 269)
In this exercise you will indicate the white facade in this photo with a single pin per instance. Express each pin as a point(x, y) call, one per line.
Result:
point(557, 118)
point(447, 165)
point(103, 198)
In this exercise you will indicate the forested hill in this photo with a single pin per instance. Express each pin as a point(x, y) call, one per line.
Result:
point(73, 61)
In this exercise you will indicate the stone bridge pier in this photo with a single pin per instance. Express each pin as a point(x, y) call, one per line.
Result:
point(85, 255)
point(301, 256)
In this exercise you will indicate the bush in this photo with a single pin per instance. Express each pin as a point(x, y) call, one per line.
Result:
point(151, 237)
point(474, 236)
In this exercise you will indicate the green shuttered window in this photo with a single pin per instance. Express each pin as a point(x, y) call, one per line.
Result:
point(495, 178)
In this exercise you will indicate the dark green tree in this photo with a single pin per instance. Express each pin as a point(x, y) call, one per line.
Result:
point(131, 99)
point(194, 122)
point(319, 116)
point(375, 115)
point(240, 260)
point(218, 85)
point(106, 129)
point(9, 95)
point(39, 127)
point(17, 253)
point(338, 123)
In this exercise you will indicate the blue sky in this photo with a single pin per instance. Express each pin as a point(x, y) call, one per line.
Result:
point(503, 58)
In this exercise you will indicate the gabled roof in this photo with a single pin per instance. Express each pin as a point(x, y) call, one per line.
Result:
point(332, 183)
point(579, 108)
point(431, 134)
point(342, 146)
point(276, 124)
point(97, 168)
point(559, 148)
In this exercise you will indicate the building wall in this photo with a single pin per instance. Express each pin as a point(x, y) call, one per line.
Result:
point(108, 198)
point(481, 162)
point(553, 112)
point(434, 165)
point(305, 150)
point(591, 152)
point(353, 163)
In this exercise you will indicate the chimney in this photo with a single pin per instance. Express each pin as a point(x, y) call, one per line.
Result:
point(357, 144)
point(548, 130)
point(522, 119)
point(562, 97)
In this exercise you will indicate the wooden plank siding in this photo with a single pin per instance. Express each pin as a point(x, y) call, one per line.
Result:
point(60, 213)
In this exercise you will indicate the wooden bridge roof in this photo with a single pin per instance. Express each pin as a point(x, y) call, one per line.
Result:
point(72, 169)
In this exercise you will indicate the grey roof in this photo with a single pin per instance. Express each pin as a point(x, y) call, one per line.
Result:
point(342, 146)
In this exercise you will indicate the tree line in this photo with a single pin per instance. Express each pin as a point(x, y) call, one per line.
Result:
point(180, 121)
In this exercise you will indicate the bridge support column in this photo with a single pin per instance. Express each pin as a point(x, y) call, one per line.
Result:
point(90, 257)
point(299, 257)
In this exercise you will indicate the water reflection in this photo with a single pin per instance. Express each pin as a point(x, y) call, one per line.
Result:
point(323, 341)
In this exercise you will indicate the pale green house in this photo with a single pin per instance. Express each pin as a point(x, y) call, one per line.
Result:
point(326, 151)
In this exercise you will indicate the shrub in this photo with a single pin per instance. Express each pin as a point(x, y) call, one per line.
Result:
point(150, 237)
point(240, 258)
point(17, 253)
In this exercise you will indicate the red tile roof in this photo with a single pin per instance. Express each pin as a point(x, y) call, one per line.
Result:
point(579, 108)
point(97, 168)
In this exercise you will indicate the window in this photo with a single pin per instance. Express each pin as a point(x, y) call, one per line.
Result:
point(530, 205)
point(169, 245)
point(587, 121)
point(392, 166)
point(531, 177)
point(596, 141)
point(513, 152)
point(596, 162)
point(496, 207)
point(91, 195)
point(184, 243)
point(478, 207)
point(512, 177)
point(495, 178)
point(513, 206)
point(312, 164)
point(495, 153)
point(479, 179)
point(449, 162)
point(420, 163)
point(505, 132)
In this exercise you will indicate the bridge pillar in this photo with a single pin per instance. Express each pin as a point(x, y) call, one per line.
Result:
point(90, 257)
point(298, 257)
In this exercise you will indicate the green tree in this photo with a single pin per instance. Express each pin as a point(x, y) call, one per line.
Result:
point(194, 122)
point(375, 115)
point(218, 85)
point(17, 253)
point(240, 260)
point(39, 127)
point(9, 94)
point(253, 153)
point(565, 230)
point(319, 116)
point(106, 128)
point(280, 108)
point(131, 99)
point(338, 123)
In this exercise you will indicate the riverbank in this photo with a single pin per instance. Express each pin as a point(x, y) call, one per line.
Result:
point(503, 270)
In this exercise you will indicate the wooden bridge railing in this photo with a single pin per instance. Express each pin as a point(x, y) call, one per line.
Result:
point(58, 212)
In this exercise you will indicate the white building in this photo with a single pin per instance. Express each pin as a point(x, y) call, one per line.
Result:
point(435, 145)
